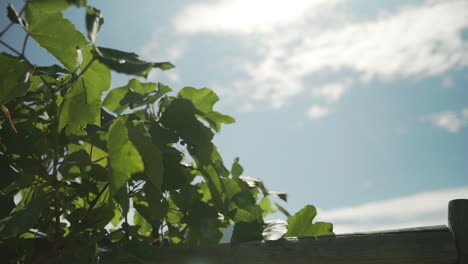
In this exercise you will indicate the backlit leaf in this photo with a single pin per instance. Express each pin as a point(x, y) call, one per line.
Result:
point(15, 77)
point(53, 32)
point(152, 157)
point(82, 106)
point(204, 100)
point(124, 158)
point(300, 224)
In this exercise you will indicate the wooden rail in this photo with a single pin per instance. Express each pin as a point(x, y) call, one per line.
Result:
point(433, 244)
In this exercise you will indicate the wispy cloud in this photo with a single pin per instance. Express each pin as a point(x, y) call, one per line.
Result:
point(245, 16)
point(332, 92)
point(300, 38)
point(448, 120)
point(317, 112)
point(427, 208)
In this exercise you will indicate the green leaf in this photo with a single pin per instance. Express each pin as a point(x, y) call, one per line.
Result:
point(204, 100)
point(124, 158)
point(203, 224)
point(26, 217)
point(282, 195)
point(153, 207)
point(123, 199)
point(15, 17)
point(94, 21)
point(75, 164)
point(134, 94)
point(15, 77)
point(6, 205)
point(82, 106)
point(128, 62)
point(300, 224)
point(53, 71)
point(265, 204)
point(152, 157)
point(145, 227)
point(180, 117)
point(236, 169)
point(247, 231)
point(53, 32)
point(282, 209)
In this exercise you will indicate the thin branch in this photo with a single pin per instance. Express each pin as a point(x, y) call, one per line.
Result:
point(12, 23)
point(25, 42)
point(6, 29)
point(11, 48)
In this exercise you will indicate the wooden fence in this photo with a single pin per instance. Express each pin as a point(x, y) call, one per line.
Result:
point(432, 244)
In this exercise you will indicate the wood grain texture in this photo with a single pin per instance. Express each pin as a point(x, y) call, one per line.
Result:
point(406, 246)
point(458, 223)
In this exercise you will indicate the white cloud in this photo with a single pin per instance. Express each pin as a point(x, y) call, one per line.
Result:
point(332, 92)
point(427, 208)
point(317, 112)
point(299, 38)
point(245, 16)
point(448, 120)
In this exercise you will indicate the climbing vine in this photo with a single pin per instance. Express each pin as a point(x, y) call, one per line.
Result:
point(88, 178)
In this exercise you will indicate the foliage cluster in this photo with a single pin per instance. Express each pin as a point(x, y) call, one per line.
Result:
point(75, 167)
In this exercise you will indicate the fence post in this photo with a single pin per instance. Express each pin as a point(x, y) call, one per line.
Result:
point(458, 223)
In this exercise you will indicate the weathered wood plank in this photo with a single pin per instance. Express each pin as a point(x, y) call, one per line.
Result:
point(407, 246)
point(458, 223)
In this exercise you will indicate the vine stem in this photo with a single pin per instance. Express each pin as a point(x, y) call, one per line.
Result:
point(8, 117)
point(25, 42)
point(12, 23)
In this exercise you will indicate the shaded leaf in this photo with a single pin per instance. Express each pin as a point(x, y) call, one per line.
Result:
point(6, 205)
point(15, 17)
point(26, 217)
point(152, 157)
point(128, 62)
point(15, 77)
point(203, 224)
point(124, 159)
point(53, 71)
point(247, 231)
point(300, 224)
point(236, 169)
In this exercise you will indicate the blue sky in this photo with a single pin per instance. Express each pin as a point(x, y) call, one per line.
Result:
point(357, 107)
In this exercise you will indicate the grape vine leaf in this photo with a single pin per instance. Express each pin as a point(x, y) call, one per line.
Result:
point(300, 224)
point(236, 169)
point(53, 32)
point(204, 100)
point(124, 158)
point(128, 62)
point(15, 77)
point(26, 217)
point(82, 106)
point(152, 157)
